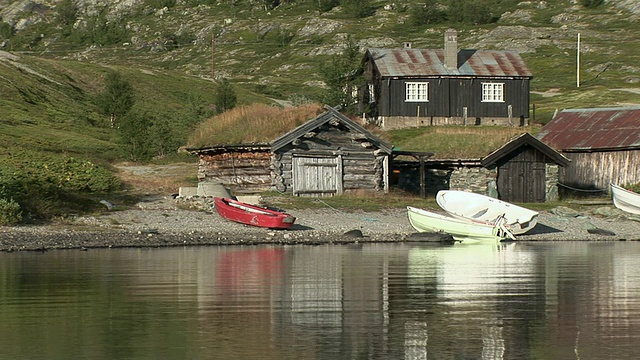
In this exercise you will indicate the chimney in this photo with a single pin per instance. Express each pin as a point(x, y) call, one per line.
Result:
point(451, 49)
point(407, 45)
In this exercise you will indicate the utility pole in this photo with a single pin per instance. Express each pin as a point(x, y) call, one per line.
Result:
point(213, 56)
point(578, 63)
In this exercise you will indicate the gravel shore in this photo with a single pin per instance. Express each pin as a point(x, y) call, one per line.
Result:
point(165, 222)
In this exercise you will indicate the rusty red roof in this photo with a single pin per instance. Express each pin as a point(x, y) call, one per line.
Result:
point(407, 62)
point(593, 129)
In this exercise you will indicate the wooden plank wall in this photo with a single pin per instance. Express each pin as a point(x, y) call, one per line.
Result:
point(522, 176)
point(241, 171)
point(597, 170)
point(362, 169)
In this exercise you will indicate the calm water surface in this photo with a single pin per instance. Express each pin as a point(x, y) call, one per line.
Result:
point(378, 301)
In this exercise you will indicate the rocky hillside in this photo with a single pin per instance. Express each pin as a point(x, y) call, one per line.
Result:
point(277, 51)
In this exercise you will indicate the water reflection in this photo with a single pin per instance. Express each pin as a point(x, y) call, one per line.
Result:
point(374, 301)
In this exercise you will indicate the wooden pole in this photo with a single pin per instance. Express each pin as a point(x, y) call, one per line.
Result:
point(423, 192)
point(213, 58)
point(578, 63)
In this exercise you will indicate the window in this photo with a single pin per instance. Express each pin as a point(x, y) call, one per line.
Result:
point(417, 91)
point(492, 92)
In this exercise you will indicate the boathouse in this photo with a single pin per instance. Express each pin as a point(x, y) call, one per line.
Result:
point(603, 145)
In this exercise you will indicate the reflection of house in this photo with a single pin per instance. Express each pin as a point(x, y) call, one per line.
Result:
point(418, 87)
point(602, 143)
point(522, 170)
point(328, 155)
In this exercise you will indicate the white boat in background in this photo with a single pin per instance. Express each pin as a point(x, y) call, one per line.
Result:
point(477, 207)
point(461, 230)
point(625, 200)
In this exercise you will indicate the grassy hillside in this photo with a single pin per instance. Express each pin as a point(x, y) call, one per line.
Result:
point(175, 53)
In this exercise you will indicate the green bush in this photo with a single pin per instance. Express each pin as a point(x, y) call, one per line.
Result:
point(41, 187)
point(10, 212)
point(632, 187)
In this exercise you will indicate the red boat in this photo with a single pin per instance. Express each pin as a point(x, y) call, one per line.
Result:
point(252, 215)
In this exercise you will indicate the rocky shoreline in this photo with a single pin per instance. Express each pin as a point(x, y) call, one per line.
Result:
point(166, 222)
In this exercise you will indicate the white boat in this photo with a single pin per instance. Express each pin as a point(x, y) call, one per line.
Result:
point(625, 200)
point(461, 229)
point(477, 207)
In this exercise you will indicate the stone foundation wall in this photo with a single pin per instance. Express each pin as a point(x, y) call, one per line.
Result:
point(476, 179)
point(551, 181)
point(403, 122)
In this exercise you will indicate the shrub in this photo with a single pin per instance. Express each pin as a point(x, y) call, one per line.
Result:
point(10, 212)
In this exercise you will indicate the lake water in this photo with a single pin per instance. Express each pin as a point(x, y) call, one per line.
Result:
point(555, 300)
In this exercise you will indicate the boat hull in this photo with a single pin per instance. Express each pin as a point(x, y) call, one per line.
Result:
point(248, 214)
point(477, 207)
point(461, 230)
point(625, 200)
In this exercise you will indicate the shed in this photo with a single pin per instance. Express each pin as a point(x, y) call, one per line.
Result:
point(406, 87)
point(527, 169)
point(329, 155)
point(603, 145)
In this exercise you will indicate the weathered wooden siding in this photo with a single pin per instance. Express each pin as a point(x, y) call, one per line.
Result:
point(448, 98)
point(596, 170)
point(239, 171)
point(522, 176)
point(331, 157)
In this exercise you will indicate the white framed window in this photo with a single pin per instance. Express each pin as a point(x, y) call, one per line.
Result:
point(417, 91)
point(492, 92)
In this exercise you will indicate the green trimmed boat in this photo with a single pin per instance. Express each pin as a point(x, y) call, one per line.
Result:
point(461, 230)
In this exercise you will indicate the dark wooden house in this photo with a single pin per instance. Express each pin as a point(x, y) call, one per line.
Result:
point(602, 143)
point(527, 169)
point(419, 87)
point(330, 155)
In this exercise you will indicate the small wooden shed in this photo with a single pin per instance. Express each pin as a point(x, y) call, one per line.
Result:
point(330, 155)
point(527, 169)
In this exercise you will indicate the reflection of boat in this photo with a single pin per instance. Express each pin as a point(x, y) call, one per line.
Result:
point(625, 200)
point(252, 215)
point(472, 206)
point(460, 229)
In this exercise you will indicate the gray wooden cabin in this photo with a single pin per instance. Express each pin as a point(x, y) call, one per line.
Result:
point(408, 87)
point(330, 155)
point(602, 143)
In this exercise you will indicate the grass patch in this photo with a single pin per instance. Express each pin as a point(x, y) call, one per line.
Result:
point(239, 125)
point(457, 142)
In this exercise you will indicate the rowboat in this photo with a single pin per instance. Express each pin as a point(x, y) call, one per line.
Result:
point(625, 200)
point(477, 207)
point(249, 214)
point(461, 229)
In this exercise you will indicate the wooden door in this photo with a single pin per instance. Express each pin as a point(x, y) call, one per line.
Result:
point(522, 181)
point(317, 176)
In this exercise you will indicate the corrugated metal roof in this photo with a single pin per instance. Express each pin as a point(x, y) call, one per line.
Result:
point(593, 129)
point(420, 62)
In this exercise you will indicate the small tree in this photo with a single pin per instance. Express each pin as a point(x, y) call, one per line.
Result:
point(426, 13)
point(357, 8)
point(592, 3)
point(135, 136)
point(226, 98)
point(117, 98)
point(342, 75)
